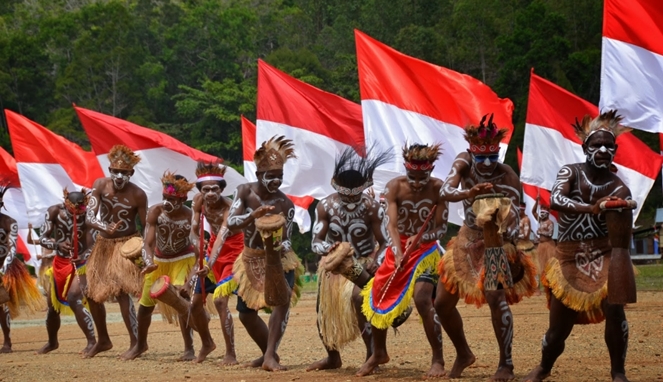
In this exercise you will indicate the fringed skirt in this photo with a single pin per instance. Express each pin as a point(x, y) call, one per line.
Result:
point(544, 252)
point(337, 319)
point(109, 273)
point(223, 267)
point(22, 290)
point(462, 269)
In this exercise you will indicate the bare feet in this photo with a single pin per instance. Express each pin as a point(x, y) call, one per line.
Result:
point(369, 366)
point(436, 370)
point(98, 348)
point(134, 352)
point(325, 364)
point(47, 348)
point(189, 355)
point(460, 365)
point(229, 360)
point(259, 361)
point(204, 351)
point(619, 377)
point(503, 374)
point(6, 348)
point(89, 347)
point(272, 364)
point(536, 375)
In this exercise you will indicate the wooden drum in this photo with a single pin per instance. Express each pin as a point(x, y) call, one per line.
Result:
point(132, 250)
point(277, 290)
point(621, 278)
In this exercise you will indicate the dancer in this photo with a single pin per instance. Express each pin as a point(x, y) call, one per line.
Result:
point(167, 250)
point(251, 202)
point(576, 277)
point(409, 200)
point(222, 250)
point(545, 250)
point(67, 274)
point(463, 273)
point(352, 216)
point(17, 289)
point(524, 244)
point(119, 202)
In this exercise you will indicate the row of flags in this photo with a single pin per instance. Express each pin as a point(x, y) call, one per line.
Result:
point(403, 100)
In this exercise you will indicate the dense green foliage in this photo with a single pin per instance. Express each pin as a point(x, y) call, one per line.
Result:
point(188, 67)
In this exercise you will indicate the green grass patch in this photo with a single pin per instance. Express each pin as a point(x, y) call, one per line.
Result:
point(650, 277)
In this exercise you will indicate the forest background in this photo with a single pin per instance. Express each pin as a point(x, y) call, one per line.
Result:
point(189, 67)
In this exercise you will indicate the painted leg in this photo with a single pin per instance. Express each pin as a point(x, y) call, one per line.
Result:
point(129, 316)
point(502, 319)
point(52, 327)
point(202, 323)
point(278, 321)
point(5, 323)
point(452, 323)
point(379, 356)
point(364, 326)
point(144, 321)
point(98, 312)
point(562, 320)
point(187, 335)
point(616, 337)
point(228, 329)
point(333, 359)
point(83, 317)
point(258, 332)
point(423, 300)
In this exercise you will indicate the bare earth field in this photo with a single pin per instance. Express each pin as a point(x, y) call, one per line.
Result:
point(585, 358)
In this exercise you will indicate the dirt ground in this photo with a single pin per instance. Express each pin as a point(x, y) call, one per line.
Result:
point(585, 358)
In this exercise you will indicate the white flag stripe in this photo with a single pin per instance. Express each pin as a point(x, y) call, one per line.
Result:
point(14, 203)
point(632, 83)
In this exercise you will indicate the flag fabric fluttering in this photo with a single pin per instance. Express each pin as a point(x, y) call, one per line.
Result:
point(302, 216)
point(159, 152)
point(550, 142)
point(46, 164)
point(632, 62)
point(405, 100)
point(320, 124)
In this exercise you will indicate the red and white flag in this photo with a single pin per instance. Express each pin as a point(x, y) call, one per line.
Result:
point(14, 204)
point(159, 152)
point(46, 164)
point(320, 124)
point(632, 62)
point(407, 100)
point(530, 194)
point(302, 203)
point(550, 142)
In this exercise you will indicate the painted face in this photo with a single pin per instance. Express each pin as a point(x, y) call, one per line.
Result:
point(350, 202)
point(600, 149)
point(485, 164)
point(272, 180)
point(544, 214)
point(211, 191)
point(172, 203)
point(120, 177)
point(76, 203)
point(417, 179)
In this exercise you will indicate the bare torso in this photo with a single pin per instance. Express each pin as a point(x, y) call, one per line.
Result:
point(120, 207)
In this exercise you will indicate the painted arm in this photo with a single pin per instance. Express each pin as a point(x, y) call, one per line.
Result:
point(142, 210)
point(89, 242)
point(241, 216)
point(451, 191)
point(439, 227)
point(319, 245)
point(11, 246)
point(221, 237)
point(511, 189)
point(379, 233)
point(194, 235)
point(150, 239)
point(93, 209)
point(559, 199)
point(535, 209)
point(46, 230)
point(391, 221)
point(286, 244)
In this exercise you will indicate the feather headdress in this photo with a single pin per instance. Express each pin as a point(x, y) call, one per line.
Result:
point(122, 158)
point(5, 184)
point(353, 173)
point(175, 185)
point(608, 121)
point(485, 138)
point(210, 171)
point(79, 207)
point(420, 157)
point(273, 153)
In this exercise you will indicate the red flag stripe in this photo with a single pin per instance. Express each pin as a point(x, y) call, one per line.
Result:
point(636, 22)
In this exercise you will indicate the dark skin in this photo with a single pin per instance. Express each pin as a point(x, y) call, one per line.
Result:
point(477, 179)
point(546, 226)
point(120, 202)
point(252, 201)
point(216, 212)
point(9, 230)
point(574, 198)
point(405, 197)
point(57, 235)
point(362, 228)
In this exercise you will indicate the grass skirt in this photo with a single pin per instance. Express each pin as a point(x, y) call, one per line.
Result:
point(578, 277)
point(337, 319)
point(251, 279)
point(23, 292)
point(462, 269)
point(109, 273)
point(544, 252)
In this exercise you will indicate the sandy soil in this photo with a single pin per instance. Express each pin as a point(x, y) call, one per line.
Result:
point(585, 358)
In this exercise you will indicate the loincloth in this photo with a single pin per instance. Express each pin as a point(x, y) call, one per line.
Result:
point(578, 277)
point(223, 267)
point(337, 319)
point(177, 269)
point(22, 290)
point(109, 273)
point(249, 274)
point(544, 252)
point(462, 269)
point(62, 275)
point(383, 304)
